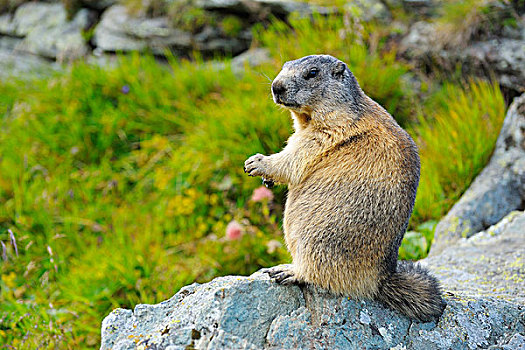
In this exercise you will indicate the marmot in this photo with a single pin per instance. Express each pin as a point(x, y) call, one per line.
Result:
point(352, 175)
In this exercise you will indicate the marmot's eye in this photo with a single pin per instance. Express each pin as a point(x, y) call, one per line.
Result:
point(312, 73)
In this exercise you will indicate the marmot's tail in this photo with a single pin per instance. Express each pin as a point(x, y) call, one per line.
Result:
point(412, 291)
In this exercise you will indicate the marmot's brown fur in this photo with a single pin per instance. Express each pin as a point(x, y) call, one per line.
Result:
point(352, 175)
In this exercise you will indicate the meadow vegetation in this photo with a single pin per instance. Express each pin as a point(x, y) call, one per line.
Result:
point(462, 21)
point(118, 183)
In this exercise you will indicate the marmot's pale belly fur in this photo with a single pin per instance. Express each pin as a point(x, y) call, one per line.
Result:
point(352, 174)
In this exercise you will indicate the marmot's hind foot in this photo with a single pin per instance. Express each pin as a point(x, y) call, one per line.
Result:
point(283, 274)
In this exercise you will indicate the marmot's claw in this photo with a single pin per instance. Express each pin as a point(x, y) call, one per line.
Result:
point(284, 278)
point(254, 166)
point(281, 275)
point(248, 171)
point(268, 183)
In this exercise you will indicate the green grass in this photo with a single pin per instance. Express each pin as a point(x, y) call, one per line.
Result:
point(456, 136)
point(118, 183)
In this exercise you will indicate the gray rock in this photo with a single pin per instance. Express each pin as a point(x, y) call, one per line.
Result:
point(23, 66)
point(32, 15)
point(118, 31)
point(491, 263)
point(9, 43)
point(232, 6)
point(63, 41)
point(367, 10)
point(211, 40)
point(6, 24)
point(255, 313)
point(419, 40)
point(251, 58)
point(498, 190)
point(262, 8)
point(504, 55)
point(46, 30)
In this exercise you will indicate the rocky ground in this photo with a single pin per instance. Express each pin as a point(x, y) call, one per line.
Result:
point(482, 275)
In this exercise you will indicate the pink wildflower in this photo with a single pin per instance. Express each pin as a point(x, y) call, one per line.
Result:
point(233, 230)
point(261, 193)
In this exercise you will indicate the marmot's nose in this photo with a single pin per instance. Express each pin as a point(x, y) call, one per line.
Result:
point(278, 88)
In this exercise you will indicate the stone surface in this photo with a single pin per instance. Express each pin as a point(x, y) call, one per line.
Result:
point(120, 32)
point(251, 58)
point(490, 263)
point(255, 313)
point(367, 10)
point(258, 7)
point(64, 41)
point(498, 190)
point(21, 65)
point(46, 31)
point(503, 56)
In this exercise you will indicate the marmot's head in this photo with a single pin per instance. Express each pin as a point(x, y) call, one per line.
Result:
point(317, 84)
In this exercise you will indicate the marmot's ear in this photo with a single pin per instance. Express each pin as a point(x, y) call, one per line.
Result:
point(339, 69)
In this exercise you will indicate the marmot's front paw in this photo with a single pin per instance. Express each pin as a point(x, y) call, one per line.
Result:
point(283, 274)
point(256, 165)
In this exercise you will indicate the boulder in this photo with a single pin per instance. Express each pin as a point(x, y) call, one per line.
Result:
point(22, 65)
point(46, 31)
point(253, 312)
point(483, 278)
point(367, 10)
point(6, 24)
point(118, 31)
point(496, 191)
point(251, 58)
point(256, 7)
point(490, 263)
